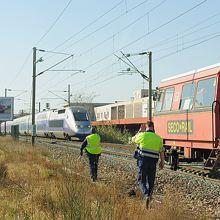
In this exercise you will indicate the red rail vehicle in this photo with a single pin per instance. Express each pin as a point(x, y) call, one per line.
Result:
point(187, 112)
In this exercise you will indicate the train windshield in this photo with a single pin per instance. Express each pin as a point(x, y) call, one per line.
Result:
point(81, 116)
point(205, 94)
point(160, 101)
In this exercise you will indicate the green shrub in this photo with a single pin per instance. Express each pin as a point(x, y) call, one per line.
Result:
point(113, 135)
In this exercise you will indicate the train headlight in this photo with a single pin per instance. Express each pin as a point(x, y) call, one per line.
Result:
point(89, 126)
point(77, 126)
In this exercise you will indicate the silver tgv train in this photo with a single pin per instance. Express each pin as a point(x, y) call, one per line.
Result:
point(64, 123)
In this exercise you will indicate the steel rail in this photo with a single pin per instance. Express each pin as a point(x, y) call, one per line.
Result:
point(197, 172)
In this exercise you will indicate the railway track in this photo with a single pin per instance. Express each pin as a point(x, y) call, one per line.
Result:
point(114, 151)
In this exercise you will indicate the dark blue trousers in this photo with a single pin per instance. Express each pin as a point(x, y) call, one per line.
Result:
point(146, 175)
point(93, 164)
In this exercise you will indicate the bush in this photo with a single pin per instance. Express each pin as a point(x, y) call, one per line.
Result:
point(113, 135)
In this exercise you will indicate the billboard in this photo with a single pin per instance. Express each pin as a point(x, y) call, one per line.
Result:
point(6, 108)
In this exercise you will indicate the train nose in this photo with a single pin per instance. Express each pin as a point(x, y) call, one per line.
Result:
point(83, 128)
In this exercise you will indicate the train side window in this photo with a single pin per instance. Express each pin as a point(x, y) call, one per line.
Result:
point(186, 101)
point(61, 111)
point(205, 93)
point(168, 99)
point(160, 101)
point(56, 123)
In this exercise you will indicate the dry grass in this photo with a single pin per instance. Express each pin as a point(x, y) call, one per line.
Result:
point(34, 187)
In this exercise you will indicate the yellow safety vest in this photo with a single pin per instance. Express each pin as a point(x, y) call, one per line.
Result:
point(93, 144)
point(149, 143)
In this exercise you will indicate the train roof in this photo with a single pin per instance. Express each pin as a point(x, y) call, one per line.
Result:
point(187, 75)
point(77, 108)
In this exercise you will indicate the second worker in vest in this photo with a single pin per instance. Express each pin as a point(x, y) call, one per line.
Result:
point(93, 150)
point(151, 149)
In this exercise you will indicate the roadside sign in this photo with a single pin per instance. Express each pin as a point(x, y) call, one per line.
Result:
point(6, 108)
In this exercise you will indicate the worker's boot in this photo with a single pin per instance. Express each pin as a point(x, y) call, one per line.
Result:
point(94, 177)
point(132, 193)
point(147, 199)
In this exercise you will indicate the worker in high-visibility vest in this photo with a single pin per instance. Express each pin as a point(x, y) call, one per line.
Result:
point(137, 151)
point(151, 149)
point(93, 150)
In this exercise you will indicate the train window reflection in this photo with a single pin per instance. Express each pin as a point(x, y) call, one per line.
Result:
point(168, 99)
point(56, 123)
point(80, 116)
point(160, 101)
point(205, 94)
point(186, 101)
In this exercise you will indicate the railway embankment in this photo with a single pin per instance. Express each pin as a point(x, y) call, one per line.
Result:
point(199, 194)
point(52, 181)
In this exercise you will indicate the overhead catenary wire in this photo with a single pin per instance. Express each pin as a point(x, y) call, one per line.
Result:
point(104, 26)
point(154, 46)
point(88, 25)
point(155, 29)
point(41, 38)
point(57, 96)
point(107, 24)
point(185, 48)
point(173, 37)
point(132, 23)
point(164, 24)
point(54, 23)
point(158, 59)
point(167, 40)
point(98, 75)
point(54, 65)
point(185, 42)
point(124, 28)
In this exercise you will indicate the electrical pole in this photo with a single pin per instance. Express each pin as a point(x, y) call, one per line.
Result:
point(149, 78)
point(33, 97)
point(5, 121)
point(69, 95)
point(150, 86)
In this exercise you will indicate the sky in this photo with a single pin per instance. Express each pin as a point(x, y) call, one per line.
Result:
point(182, 35)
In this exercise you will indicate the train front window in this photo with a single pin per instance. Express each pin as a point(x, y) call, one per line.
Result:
point(186, 101)
point(168, 99)
point(160, 101)
point(205, 94)
point(81, 116)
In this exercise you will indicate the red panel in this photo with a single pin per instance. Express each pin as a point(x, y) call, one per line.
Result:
point(201, 128)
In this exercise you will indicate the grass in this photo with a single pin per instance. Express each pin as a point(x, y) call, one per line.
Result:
point(112, 134)
point(33, 186)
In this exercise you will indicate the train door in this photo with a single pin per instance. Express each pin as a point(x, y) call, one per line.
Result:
point(216, 110)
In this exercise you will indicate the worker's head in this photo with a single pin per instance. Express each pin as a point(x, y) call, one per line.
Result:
point(142, 128)
point(94, 130)
point(150, 126)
